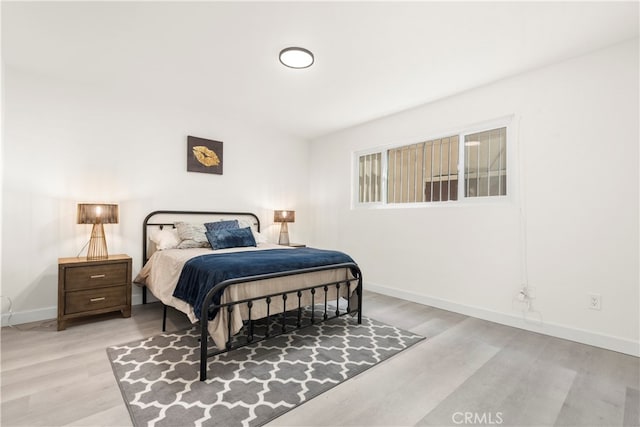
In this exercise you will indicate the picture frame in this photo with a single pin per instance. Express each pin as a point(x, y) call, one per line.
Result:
point(204, 155)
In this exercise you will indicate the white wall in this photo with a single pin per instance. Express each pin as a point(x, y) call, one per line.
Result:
point(3, 307)
point(66, 142)
point(577, 134)
point(577, 138)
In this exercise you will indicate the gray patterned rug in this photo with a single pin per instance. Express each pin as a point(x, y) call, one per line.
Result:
point(158, 376)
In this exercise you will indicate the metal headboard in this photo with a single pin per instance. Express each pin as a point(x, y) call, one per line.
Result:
point(166, 218)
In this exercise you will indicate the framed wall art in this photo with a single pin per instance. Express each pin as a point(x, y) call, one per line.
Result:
point(204, 155)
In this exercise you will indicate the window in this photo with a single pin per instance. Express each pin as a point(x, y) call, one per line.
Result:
point(424, 172)
point(448, 169)
point(370, 184)
point(485, 165)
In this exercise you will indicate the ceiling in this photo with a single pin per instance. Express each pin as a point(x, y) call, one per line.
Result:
point(371, 59)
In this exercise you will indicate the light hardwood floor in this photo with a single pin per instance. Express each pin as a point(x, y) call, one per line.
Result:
point(468, 372)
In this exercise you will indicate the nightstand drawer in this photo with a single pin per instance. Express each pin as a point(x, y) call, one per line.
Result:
point(95, 299)
point(95, 276)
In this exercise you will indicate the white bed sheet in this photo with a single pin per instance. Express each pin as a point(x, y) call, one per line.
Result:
point(161, 273)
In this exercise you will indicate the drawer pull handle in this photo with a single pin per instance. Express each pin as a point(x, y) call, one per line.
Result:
point(98, 276)
point(98, 299)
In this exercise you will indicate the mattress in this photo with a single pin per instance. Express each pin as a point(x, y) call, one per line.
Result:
point(161, 273)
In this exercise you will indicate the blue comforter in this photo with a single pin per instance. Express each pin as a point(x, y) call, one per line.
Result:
point(200, 274)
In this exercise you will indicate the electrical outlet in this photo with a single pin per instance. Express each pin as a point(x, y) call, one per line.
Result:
point(595, 301)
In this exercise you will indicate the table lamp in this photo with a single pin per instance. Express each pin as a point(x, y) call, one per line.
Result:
point(97, 214)
point(284, 217)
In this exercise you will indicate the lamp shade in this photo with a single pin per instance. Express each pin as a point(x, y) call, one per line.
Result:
point(97, 213)
point(284, 216)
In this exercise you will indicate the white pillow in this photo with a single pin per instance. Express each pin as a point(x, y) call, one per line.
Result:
point(192, 235)
point(165, 238)
point(259, 238)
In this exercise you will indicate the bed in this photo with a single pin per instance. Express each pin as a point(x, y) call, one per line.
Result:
point(241, 294)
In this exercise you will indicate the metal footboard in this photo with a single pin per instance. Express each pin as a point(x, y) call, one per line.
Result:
point(318, 294)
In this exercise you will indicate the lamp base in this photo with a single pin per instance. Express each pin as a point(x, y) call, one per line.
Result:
point(284, 235)
point(97, 244)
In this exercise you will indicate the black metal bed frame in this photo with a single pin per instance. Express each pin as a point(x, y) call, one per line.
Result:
point(297, 311)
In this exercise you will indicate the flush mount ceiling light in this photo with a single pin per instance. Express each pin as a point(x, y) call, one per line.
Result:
point(296, 57)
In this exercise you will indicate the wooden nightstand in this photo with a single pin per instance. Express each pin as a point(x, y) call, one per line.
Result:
point(88, 287)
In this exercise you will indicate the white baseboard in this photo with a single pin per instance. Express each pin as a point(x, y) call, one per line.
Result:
point(136, 299)
point(28, 316)
point(40, 314)
point(618, 344)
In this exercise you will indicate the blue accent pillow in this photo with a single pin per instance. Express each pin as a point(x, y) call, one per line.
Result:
point(231, 238)
point(222, 225)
